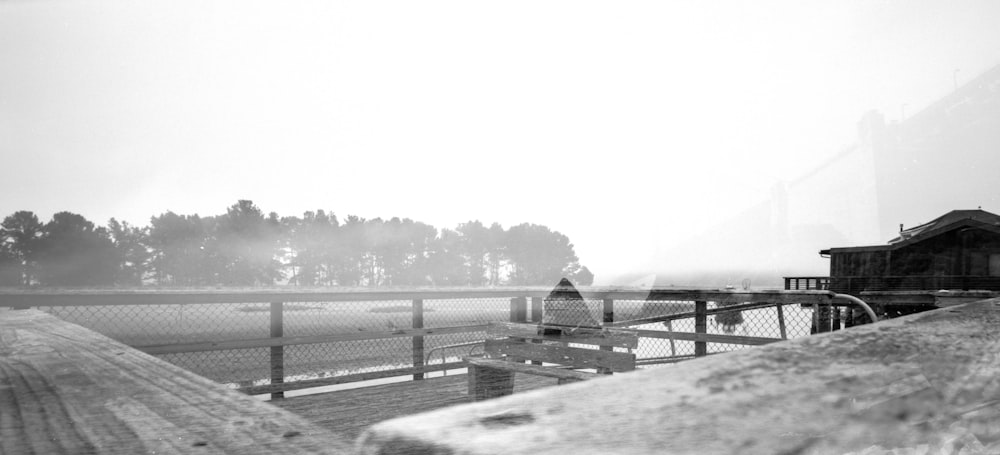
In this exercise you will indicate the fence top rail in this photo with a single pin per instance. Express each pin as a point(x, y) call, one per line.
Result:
point(89, 297)
point(81, 392)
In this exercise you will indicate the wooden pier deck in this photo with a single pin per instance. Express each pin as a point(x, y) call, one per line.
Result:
point(349, 412)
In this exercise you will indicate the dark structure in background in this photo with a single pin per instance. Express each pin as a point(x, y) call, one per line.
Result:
point(957, 251)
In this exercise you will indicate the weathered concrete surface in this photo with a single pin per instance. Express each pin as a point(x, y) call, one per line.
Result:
point(926, 383)
point(348, 413)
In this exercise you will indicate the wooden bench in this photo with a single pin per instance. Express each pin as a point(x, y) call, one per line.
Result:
point(555, 351)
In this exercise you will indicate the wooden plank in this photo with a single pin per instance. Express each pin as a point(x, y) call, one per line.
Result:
point(68, 390)
point(707, 337)
point(418, 340)
point(563, 355)
point(277, 352)
point(356, 377)
point(291, 341)
point(537, 370)
point(916, 384)
point(622, 338)
point(700, 327)
point(692, 314)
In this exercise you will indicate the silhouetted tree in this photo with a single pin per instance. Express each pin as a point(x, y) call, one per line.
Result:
point(314, 248)
point(10, 267)
point(247, 245)
point(244, 247)
point(582, 276)
point(352, 252)
point(445, 265)
point(20, 233)
point(538, 255)
point(475, 249)
point(72, 252)
point(131, 250)
point(182, 250)
point(413, 240)
point(496, 253)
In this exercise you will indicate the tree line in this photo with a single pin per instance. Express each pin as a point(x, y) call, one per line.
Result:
point(245, 247)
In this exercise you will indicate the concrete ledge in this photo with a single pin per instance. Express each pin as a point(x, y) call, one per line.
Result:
point(927, 382)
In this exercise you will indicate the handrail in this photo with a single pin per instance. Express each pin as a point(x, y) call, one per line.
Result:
point(427, 359)
point(859, 302)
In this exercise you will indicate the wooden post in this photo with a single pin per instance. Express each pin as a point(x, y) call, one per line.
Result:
point(536, 317)
point(824, 318)
point(536, 309)
point(835, 318)
point(821, 318)
point(700, 326)
point(519, 309)
point(519, 313)
point(815, 321)
point(609, 311)
point(609, 317)
point(418, 340)
point(277, 352)
point(788, 284)
point(781, 321)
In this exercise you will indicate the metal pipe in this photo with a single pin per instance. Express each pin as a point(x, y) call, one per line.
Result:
point(859, 302)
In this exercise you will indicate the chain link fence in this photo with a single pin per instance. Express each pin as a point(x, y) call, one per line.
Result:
point(324, 343)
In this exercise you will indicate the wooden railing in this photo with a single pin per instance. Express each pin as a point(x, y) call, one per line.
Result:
point(855, 285)
point(919, 384)
point(525, 304)
point(807, 283)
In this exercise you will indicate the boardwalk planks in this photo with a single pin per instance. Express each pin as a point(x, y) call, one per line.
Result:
point(66, 389)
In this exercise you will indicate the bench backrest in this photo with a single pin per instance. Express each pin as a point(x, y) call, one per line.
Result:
point(572, 347)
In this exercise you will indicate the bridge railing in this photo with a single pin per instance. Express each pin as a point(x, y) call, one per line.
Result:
point(272, 341)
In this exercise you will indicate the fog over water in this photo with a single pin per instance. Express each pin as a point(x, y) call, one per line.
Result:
point(670, 139)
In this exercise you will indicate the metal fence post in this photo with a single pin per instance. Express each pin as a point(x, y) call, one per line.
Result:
point(277, 352)
point(700, 326)
point(418, 340)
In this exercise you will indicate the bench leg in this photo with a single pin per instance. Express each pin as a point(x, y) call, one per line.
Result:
point(486, 383)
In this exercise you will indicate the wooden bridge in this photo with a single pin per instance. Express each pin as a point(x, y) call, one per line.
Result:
point(916, 380)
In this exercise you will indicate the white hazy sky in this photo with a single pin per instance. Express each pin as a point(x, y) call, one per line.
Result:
point(624, 125)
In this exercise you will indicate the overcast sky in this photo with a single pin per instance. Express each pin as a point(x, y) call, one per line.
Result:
point(624, 125)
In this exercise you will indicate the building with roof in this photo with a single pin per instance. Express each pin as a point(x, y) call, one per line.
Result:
point(959, 250)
